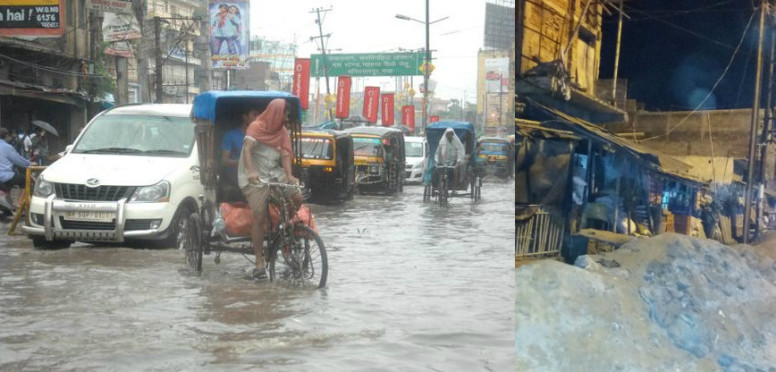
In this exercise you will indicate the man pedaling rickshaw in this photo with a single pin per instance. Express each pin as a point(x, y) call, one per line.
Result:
point(451, 153)
point(266, 155)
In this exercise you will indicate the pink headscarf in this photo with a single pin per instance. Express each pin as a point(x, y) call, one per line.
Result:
point(268, 128)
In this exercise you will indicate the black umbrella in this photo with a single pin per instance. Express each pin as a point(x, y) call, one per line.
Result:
point(45, 126)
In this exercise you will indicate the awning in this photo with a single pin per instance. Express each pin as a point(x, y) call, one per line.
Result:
point(654, 159)
point(13, 88)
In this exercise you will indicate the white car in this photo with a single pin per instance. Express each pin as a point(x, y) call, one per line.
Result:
point(132, 173)
point(415, 152)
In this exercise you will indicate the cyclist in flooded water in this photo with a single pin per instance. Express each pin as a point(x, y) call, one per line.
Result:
point(266, 155)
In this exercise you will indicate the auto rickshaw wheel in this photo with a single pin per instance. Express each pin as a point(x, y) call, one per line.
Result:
point(192, 242)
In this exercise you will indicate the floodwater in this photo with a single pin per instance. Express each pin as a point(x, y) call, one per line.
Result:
point(412, 286)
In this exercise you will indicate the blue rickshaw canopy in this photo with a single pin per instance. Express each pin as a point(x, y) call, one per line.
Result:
point(206, 104)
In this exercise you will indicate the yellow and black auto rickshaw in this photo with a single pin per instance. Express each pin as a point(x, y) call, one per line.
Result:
point(379, 157)
point(494, 157)
point(328, 165)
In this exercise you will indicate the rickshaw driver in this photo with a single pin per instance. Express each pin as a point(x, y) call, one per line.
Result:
point(266, 155)
point(450, 152)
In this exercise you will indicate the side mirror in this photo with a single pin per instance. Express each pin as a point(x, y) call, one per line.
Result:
point(68, 148)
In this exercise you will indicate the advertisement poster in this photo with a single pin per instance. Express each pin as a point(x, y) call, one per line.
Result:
point(434, 118)
point(371, 103)
point(41, 18)
point(496, 75)
point(301, 87)
point(120, 27)
point(343, 96)
point(387, 109)
point(408, 116)
point(120, 49)
point(229, 34)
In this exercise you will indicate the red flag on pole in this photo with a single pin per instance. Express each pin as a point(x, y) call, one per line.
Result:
point(371, 103)
point(302, 81)
point(408, 116)
point(343, 96)
point(386, 101)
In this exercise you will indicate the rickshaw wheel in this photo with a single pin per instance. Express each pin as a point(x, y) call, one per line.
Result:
point(442, 196)
point(192, 242)
point(478, 186)
point(307, 265)
point(426, 192)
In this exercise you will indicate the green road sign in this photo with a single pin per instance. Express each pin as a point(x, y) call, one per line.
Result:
point(368, 64)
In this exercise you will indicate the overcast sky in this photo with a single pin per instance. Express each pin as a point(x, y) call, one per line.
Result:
point(359, 26)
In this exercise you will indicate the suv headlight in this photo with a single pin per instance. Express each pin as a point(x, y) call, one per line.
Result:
point(152, 194)
point(43, 188)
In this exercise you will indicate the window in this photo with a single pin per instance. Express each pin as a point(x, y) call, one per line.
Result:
point(317, 148)
point(365, 146)
point(138, 135)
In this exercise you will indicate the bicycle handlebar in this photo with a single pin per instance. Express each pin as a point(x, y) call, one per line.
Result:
point(277, 184)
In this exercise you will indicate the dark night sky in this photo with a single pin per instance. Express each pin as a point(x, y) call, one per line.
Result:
point(673, 69)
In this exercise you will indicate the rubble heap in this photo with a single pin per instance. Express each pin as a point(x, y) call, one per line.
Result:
point(671, 302)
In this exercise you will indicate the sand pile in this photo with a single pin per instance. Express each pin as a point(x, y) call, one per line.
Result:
point(667, 303)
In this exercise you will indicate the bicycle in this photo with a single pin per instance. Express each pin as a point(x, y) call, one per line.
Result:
point(296, 246)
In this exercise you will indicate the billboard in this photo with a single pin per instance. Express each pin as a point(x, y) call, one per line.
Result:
point(369, 64)
point(343, 96)
point(499, 26)
point(496, 75)
point(40, 18)
point(120, 26)
point(386, 109)
point(229, 34)
point(371, 103)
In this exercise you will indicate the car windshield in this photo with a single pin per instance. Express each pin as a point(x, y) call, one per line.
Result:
point(413, 149)
point(367, 146)
point(492, 147)
point(317, 148)
point(138, 135)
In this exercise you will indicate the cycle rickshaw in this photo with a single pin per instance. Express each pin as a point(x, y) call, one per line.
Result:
point(438, 184)
point(293, 250)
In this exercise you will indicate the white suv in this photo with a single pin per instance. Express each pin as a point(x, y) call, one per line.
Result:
point(131, 174)
point(415, 152)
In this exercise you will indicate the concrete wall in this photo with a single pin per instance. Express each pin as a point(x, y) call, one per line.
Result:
point(725, 133)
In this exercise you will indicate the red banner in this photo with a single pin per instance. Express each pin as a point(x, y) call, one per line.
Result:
point(408, 116)
point(386, 103)
point(343, 96)
point(301, 87)
point(434, 118)
point(371, 103)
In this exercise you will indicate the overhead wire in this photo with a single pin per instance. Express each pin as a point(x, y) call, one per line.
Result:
point(704, 37)
point(711, 91)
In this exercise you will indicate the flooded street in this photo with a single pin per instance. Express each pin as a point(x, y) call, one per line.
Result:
point(412, 286)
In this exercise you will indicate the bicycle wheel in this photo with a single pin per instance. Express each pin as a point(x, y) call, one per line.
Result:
point(304, 259)
point(443, 190)
point(192, 242)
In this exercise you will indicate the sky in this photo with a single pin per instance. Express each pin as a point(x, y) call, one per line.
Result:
point(674, 52)
point(359, 26)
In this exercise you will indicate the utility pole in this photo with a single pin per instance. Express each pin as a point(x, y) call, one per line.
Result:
point(158, 54)
point(320, 36)
point(426, 70)
point(463, 104)
point(766, 136)
point(753, 127)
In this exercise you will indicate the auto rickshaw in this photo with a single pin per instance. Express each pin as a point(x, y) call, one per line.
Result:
point(328, 165)
point(493, 157)
point(437, 184)
point(379, 157)
point(293, 249)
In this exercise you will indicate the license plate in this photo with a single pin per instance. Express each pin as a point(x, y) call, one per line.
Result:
point(89, 216)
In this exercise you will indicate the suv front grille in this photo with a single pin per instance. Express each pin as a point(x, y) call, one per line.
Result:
point(69, 191)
